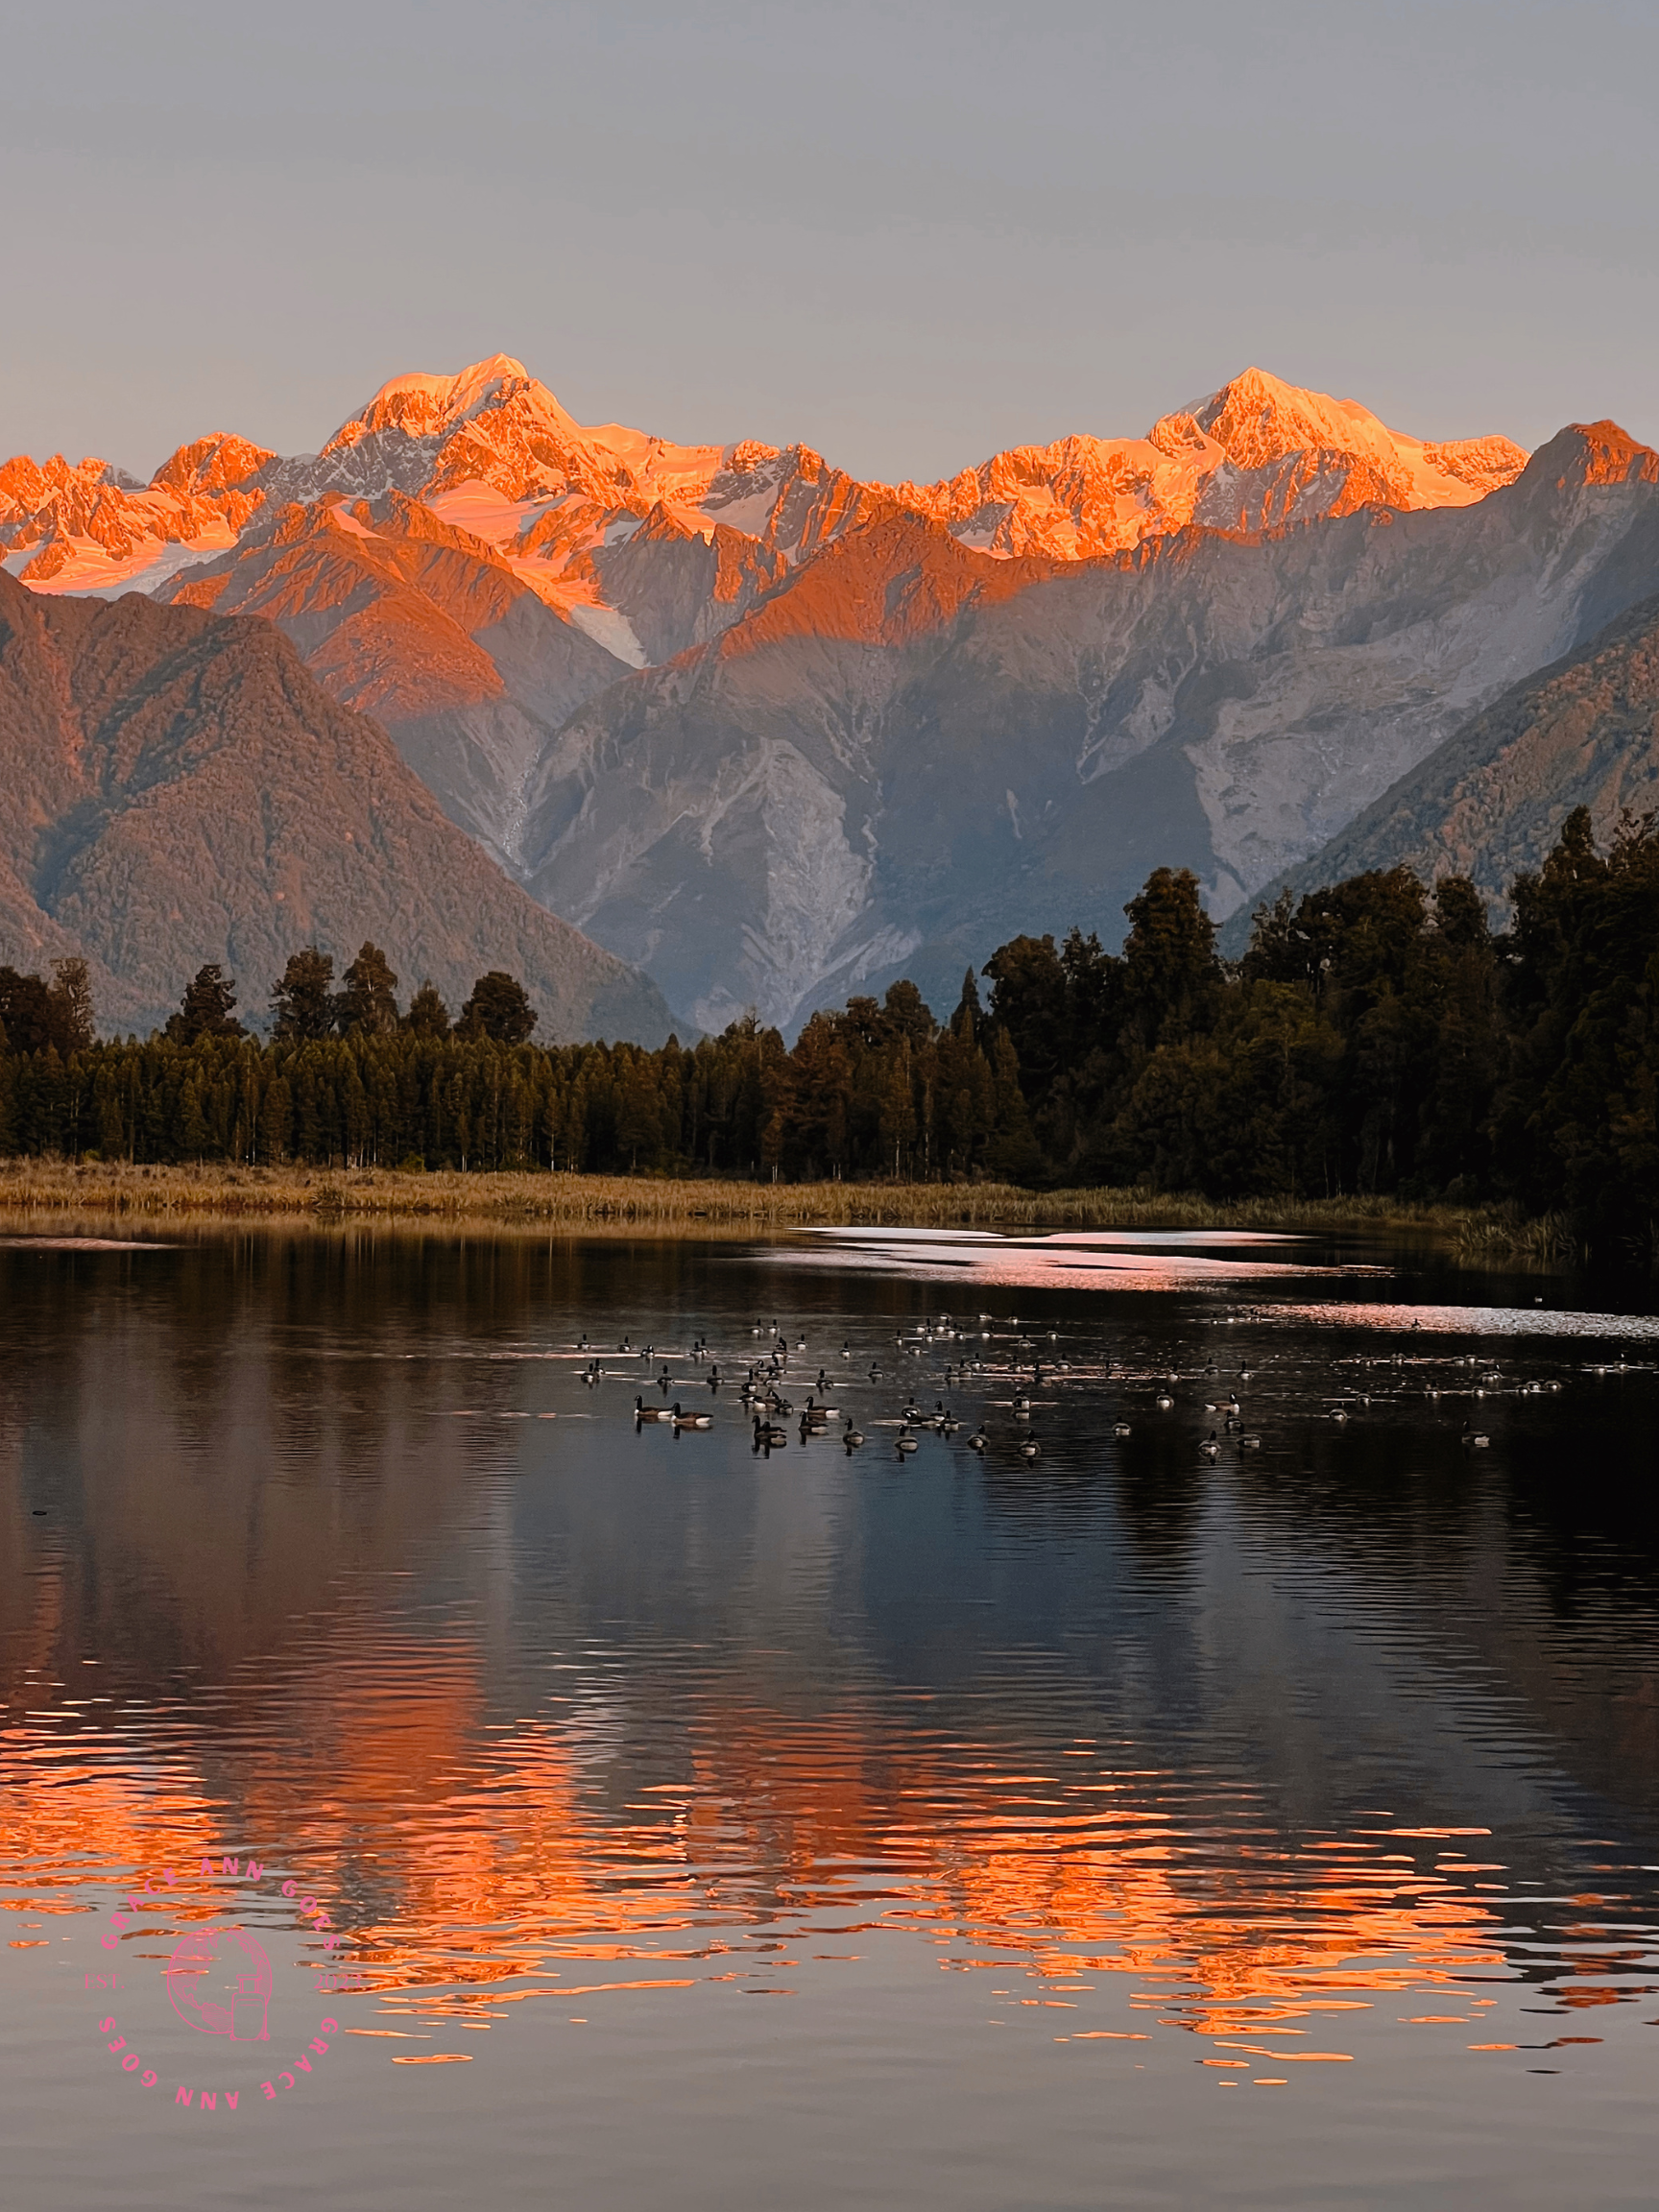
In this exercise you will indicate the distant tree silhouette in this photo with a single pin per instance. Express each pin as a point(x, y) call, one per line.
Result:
point(303, 1000)
point(427, 1016)
point(204, 1010)
point(499, 1009)
point(25, 1015)
point(38, 1016)
point(368, 1007)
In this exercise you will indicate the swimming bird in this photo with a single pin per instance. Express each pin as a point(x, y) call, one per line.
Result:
point(907, 1443)
point(1211, 1446)
point(1163, 1402)
point(692, 1420)
point(768, 1436)
point(977, 1441)
point(644, 1412)
point(852, 1438)
point(1029, 1447)
point(1120, 1429)
point(1472, 1439)
point(1249, 1440)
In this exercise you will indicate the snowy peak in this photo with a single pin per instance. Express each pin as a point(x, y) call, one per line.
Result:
point(491, 451)
point(1259, 422)
point(424, 406)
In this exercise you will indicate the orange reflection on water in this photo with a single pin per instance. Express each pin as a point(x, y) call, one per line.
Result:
point(485, 1862)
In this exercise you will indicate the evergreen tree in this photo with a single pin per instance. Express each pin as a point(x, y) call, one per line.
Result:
point(204, 1011)
point(427, 1016)
point(498, 1008)
point(304, 1000)
point(368, 1007)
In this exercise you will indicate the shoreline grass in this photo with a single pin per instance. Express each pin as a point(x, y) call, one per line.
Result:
point(34, 1189)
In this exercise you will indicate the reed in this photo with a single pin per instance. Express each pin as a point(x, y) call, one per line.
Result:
point(117, 1192)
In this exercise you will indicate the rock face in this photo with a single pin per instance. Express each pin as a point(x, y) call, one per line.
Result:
point(1490, 801)
point(175, 788)
point(776, 734)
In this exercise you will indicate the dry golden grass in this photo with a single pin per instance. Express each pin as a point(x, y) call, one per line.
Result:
point(298, 1195)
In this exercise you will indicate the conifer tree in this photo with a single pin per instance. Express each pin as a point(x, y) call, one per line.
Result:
point(204, 1011)
point(368, 1007)
point(303, 1000)
point(499, 1009)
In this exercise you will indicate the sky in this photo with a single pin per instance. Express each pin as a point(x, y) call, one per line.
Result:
point(907, 234)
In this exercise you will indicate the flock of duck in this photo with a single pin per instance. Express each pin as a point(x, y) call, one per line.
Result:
point(1022, 1360)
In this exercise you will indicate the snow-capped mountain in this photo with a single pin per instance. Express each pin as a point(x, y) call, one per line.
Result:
point(493, 452)
point(775, 732)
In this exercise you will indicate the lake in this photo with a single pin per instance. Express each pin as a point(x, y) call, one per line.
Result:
point(421, 1783)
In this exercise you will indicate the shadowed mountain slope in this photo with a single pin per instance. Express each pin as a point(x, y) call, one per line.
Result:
point(1489, 804)
point(176, 788)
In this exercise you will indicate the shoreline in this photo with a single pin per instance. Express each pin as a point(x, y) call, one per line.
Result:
point(33, 1189)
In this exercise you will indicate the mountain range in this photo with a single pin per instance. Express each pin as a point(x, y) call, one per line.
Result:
point(772, 733)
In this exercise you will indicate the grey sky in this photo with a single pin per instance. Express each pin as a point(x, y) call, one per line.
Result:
point(907, 234)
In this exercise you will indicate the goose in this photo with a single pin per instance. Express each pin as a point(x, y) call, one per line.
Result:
point(914, 1414)
point(769, 1437)
point(692, 1420)
point(1120, 1429)
point(1474, 1439)
point(644, 1412)
point(907, 1444)
point(1249, 1440)
point(1338, 1413)
point(977, 1441)
point(1030, 1449)
point(1211, 1446)
point(1163, 1402)
point(852, 1438)
point(944, 1420)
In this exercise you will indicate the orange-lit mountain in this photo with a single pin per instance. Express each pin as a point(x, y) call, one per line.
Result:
point(775, 732)
point(493, 451)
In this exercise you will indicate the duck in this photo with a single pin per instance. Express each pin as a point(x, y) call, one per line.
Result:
point(690, 1420)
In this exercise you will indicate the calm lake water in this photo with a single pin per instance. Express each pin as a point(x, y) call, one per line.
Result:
point(639, 1819)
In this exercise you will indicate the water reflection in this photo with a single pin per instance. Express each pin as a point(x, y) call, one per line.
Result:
point(1308, 1754)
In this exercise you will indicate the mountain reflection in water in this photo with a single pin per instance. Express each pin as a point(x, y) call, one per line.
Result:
point(1335, 1757)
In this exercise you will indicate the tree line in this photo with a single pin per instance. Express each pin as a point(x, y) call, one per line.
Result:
point(1376, 1036)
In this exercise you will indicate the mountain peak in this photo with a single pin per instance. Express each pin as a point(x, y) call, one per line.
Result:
point(422, 405)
